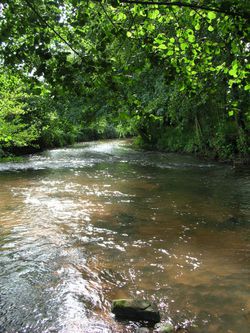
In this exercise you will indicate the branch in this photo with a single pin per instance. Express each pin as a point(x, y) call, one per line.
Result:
point(109, 18)
point(51, 28)
point(193, 6)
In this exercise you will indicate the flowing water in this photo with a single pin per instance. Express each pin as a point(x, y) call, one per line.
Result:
point(84, 225)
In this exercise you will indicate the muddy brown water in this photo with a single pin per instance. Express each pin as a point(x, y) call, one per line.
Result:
point(81, 226)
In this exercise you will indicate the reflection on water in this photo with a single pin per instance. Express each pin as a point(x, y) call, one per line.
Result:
point(81, 226)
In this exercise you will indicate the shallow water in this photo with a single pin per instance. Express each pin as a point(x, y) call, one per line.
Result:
point(84, 225)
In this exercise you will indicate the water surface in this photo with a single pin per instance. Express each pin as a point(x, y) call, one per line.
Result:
point(81, 226)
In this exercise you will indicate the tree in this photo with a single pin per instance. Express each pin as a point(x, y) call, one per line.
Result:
point(98, 52)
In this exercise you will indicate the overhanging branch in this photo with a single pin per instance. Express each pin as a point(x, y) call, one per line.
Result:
point(187, 5)
point(42, 20)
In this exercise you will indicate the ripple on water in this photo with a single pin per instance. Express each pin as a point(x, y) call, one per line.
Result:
point(103, 221)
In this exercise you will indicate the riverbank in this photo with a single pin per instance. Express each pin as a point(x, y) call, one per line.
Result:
point(136, 142)
point(236, 161)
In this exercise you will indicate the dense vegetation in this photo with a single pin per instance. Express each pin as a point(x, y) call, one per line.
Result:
point(176, 75)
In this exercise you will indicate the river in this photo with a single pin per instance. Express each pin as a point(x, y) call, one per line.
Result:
point(83, 225)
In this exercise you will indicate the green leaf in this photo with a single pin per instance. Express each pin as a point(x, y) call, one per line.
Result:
point(211, 15)
point(162, 47)
point(210, 28)
point(150, 27)
point(153, 14)
point(234, 70)
point(230, 83)
point(231, 113)
point(170, 52)
point(184, 46)
point(129, 34)
point(197, 26)
point(121, 17)
point(191, 38)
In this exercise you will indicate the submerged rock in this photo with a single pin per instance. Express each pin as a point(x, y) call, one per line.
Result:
point(164, 328)
point(137, 310)
point(143, 330)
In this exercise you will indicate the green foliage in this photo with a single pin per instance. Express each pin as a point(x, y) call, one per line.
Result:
point(176, 77)
point(15, 128)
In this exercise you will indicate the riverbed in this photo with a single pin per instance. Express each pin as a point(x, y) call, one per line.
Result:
point(83, 225)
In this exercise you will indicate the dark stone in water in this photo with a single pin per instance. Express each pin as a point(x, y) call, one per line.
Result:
point(231, 223)
point(137, 310)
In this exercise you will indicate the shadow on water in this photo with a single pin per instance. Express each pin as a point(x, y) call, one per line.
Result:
point(83, 225)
